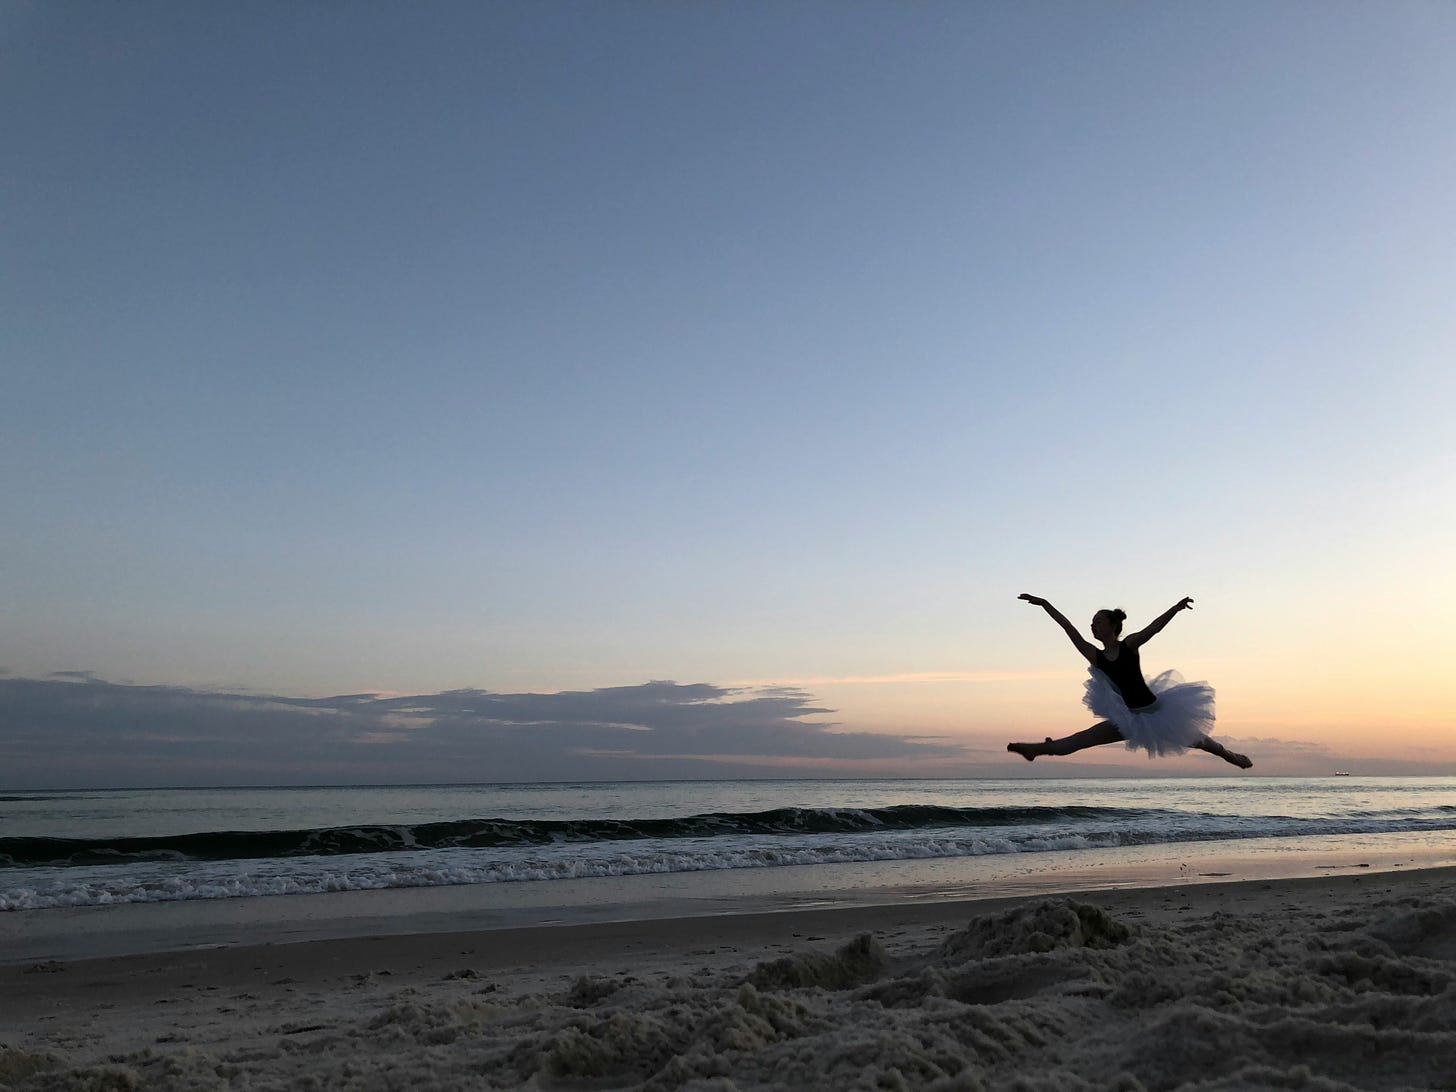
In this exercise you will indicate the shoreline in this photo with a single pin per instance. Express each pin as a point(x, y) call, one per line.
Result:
point(66, 934)
point(440, 1005)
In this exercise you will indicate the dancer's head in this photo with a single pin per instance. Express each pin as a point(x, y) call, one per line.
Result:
point(1107, 624)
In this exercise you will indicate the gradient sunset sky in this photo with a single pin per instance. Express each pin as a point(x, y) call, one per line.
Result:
point(492, 364)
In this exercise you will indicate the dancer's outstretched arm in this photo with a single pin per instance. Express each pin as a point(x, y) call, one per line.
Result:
point(1085, 647)
point(1140, 638)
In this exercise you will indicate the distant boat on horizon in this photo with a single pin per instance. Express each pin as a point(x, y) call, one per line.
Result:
point(1342, 773)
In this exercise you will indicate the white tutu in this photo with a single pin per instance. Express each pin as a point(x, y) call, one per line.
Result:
point(1182, 715)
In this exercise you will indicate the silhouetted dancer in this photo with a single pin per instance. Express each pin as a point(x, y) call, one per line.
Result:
point(1164, 718)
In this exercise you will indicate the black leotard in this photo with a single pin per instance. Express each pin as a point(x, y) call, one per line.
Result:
point(1126, 673)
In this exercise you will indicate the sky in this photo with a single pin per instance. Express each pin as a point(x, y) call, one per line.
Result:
point(570, 391)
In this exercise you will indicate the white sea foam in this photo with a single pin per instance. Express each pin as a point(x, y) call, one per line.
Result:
point(164, 881)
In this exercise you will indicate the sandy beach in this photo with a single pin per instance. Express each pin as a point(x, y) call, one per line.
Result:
point(1336, 982)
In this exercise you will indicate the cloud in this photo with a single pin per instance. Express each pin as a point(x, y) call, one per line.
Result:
point(1312, 758)
point(76, 729)
point(914, 677)
point(1269, 746)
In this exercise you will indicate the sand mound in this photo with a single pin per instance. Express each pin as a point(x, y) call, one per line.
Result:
point(17, 1065)
point(1038, 928)
point(1429, 932)
point(859, 961)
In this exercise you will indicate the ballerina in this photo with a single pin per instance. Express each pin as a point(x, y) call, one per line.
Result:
point(1167, 717)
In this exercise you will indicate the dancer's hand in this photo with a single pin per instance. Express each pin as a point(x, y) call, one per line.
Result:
point(1185, 603)
point(1034, 600)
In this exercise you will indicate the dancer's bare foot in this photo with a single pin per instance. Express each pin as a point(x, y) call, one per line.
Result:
point(1028, 751)
point(1213, 747)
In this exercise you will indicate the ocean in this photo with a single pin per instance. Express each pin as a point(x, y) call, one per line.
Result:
point(105, 848)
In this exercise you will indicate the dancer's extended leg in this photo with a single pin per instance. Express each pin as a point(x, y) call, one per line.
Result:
point(1100, 733)
point(1213, 747)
